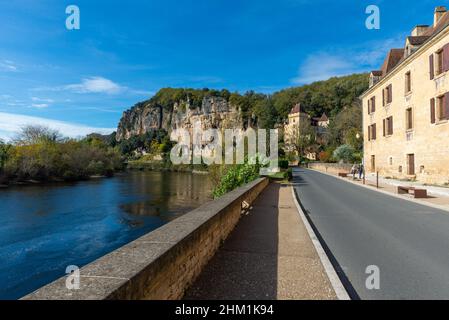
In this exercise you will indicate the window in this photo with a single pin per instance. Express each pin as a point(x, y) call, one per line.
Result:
point(372, 132)
point(408, 82)
point(440, 114)
point(439, 62)
point(388, 126)
point(410, 164)
point(373, 163)
point(372, 105)
point(408, 119)
point(387, 95)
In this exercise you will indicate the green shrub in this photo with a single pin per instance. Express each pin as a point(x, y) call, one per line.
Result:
point(344, 153)
point(283, 164)
point(236, 176)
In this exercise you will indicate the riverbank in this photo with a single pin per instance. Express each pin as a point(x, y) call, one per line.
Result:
point(165, 166)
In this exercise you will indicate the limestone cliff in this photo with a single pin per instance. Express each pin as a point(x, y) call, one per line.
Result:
point(214, 112)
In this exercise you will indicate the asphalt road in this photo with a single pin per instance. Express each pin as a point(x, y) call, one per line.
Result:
point(408, 242)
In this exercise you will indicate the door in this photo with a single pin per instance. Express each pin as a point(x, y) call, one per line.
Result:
point(410, 164)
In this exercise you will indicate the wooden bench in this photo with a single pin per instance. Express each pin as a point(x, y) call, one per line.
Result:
point(343, 174)
point(417, 193)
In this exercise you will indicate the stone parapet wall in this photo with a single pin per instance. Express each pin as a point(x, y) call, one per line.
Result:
point(164, 263)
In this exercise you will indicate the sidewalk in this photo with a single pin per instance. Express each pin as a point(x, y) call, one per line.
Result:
point(438, 197)
point(269, 255)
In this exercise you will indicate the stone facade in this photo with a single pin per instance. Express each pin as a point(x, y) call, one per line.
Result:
point(406, 109)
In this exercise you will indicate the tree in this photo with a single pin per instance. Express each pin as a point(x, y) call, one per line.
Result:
point(35, 134)
point(4, 153)
point(345, 153)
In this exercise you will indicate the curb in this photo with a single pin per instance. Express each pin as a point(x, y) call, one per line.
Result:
point(335, 281)
point(435, 206)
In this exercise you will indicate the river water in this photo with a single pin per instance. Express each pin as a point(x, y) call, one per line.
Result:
point(45, 228)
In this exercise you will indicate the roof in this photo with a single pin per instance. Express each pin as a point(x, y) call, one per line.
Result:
point(417, 40)
point(377, 73)
point(396, 56)
point(392, 60)
point(323, 118)
point(296, 108)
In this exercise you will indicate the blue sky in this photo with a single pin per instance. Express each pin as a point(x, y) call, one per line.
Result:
point(82, 80)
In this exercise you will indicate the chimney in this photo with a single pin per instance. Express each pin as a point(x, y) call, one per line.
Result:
point(419, 30)
point(439, 12)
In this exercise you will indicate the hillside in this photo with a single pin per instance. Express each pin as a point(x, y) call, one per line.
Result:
point(174, 108)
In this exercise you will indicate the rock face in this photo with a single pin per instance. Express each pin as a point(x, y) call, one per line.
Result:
point(214, 112)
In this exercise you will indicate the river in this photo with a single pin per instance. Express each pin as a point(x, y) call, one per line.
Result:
point(45, 228)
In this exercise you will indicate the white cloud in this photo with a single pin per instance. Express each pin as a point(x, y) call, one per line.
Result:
point(96, 85)
point(40, 105)
point(323, 66)
point(344, 61)
point(8, 65)
point(36, 99)
point(10, 125)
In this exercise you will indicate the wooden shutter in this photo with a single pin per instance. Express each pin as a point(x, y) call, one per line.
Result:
point(446, 58)
point(374, 131)
point(390, 127)
point(383, 97)
point(446, 105)
point(431, 67)
point(369, 133)
point(432, 110)
point(384, 132)
point(373, 104)
point(369, 106)
point(390, 93)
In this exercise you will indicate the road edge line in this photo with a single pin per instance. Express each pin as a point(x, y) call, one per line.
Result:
point(334, 279)
point(394, 195)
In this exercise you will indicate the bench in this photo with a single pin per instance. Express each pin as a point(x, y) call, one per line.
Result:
point(417, 193)
point(343, 174)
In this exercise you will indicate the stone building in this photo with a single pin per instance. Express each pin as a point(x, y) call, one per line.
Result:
point(406, 108)
point(291, 130)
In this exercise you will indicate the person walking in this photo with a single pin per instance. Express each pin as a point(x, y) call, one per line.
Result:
point(361, 169)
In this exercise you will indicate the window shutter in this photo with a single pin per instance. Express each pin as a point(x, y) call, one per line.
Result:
point(383, 97)
point(369, 133)
point(446, 105)
point(431, 67)
point(432, 110)
point(390, 93)
point(391, 125)
point(373, 104)
point(374, 131)
point(446, 58)
point(383, 122)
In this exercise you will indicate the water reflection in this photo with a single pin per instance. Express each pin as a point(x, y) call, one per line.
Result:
point(45, 228)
